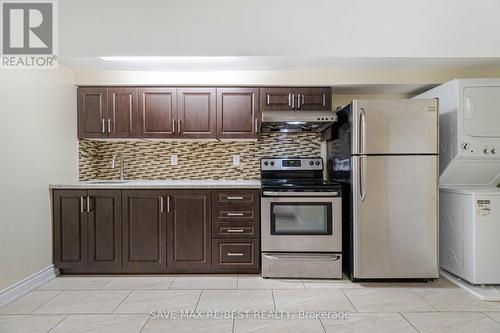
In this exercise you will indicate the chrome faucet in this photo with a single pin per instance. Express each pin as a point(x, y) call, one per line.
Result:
point(123, 174)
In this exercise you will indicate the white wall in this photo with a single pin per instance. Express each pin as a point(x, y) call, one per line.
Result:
point(38, 141)
point(341, 28)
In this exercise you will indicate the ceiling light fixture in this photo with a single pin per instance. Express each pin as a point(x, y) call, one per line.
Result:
point(173, 59)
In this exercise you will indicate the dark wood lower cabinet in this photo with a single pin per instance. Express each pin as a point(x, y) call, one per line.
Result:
point(70, 229)
point(188, 230)
point(104, 229)
point(155, 231)
point(144, 230)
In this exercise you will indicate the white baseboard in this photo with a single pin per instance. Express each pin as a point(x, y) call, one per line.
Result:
point(26, 285)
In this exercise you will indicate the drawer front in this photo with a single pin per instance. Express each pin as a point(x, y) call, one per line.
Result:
point(305, 265)
point(231, 254)
point(235, 197)
point(235, 230)
point(235, 214)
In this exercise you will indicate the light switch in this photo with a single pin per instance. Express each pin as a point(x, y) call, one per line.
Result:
point(236, 160)
point(173, 159)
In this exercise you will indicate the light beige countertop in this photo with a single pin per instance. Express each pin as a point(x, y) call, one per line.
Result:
point(159, 184)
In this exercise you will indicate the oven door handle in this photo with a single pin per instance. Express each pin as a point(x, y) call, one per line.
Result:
point(299, 194)
point(303, 257)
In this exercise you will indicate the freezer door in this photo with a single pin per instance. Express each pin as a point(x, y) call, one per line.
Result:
point(395, 126)
point(395, 217)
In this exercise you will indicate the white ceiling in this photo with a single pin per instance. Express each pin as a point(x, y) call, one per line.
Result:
point(299, 28)
point(281, 63)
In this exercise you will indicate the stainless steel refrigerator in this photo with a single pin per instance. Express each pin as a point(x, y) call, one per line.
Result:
point(385, 155)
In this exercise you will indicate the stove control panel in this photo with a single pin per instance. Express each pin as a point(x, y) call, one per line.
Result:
point(312, 163)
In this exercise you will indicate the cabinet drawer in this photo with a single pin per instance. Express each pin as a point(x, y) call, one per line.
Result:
point(235, 230)
point(231, 254)
point(235, 214)
point(235, 197)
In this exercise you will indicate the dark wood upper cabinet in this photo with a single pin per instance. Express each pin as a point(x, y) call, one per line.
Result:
point(70, 228)
point(196, 113)
point(92, 113)
point(104, 229)
point(237, 113)
point(314, 99)
point(189, 230)
point(144, 230)
point(122, 113)
point(276, 99)
point(295, 99)
point(158, 112)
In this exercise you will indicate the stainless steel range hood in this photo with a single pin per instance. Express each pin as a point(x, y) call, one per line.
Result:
point(297, 121)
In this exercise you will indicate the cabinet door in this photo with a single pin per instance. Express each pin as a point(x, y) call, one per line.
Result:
point(313, 99)
point(143, 224)
point(157, 112)
point(197, 113)
point(189, 234)
point(276, 99)
point(70, 229)
point(122, 113)
point(104, 229)
point(237, 113)
point(92, 113)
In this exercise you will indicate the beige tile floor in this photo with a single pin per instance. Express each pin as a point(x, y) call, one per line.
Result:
point(244, 303)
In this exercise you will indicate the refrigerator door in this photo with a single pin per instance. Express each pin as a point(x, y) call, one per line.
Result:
point(395, 126)
point(395, 212)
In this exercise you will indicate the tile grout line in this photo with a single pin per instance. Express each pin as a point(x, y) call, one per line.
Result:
point(274, 301)
point(147, 321)
point(402, 315)
point(322, 325)
point(172, 283)
point(123, 300)
point(50, 299)
point(198, 302)
point(60, 321)
point(234, 324)
point(426, 301)
point(488, 316)
point(106, 283)
point(348, 299)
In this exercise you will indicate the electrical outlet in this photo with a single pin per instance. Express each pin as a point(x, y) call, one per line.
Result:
point(236, 160)
point(173, 159)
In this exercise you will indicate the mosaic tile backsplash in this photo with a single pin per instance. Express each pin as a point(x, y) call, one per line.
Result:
point(196, 159)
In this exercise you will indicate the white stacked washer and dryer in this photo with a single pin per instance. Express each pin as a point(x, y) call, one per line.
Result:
point(469, 163)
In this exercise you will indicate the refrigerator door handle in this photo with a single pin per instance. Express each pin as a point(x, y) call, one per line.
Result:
point(362, 130)
point(361, 178)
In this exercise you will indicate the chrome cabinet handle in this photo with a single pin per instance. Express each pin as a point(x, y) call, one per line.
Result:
point(235, 254)
point(324, 99)
point(293, 101)
point(268, 99)
point(298, 101)
point(290, 99)
point(109, 125)
point(234, 214)
point(303, 99)
point(161, 204)
point(88, 204)
point(234, 198)
point(103, 125)
point(168, 203)
point(304, 257)
point(235, 230)
point(256, 125)
point(179, 126)
point(81, 205)
point(173, 125)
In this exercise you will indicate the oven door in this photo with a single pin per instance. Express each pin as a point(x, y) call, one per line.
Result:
point(301, 224)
